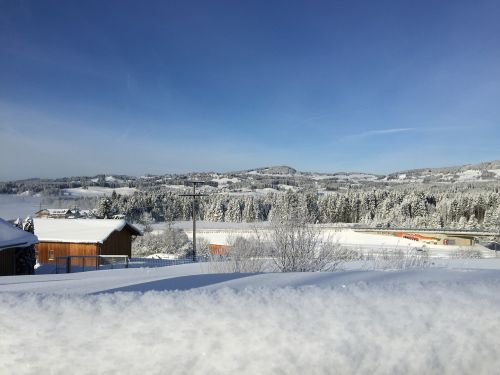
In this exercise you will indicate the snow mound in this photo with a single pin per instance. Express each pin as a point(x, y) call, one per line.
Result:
point(365, 329)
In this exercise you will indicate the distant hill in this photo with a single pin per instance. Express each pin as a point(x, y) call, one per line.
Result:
point(264, 179)
point(275, 170)
point(486, 171)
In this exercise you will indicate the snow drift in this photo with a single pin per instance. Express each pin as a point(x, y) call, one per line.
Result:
point(426, 327)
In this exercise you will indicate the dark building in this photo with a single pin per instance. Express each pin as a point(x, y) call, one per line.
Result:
point(13, 242)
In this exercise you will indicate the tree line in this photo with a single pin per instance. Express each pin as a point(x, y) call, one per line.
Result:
point(406, 207)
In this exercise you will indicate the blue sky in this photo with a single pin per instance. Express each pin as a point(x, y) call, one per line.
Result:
point(134, 87)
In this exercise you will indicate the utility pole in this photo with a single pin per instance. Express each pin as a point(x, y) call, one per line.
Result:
point(194, 195)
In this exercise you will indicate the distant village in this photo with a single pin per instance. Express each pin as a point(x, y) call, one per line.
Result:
point(72, 213)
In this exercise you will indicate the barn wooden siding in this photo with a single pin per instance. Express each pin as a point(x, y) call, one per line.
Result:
point(62, 249)
point(118, 243)
point(8, 262)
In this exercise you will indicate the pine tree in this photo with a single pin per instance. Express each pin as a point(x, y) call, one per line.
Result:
point(104, 208)
point(462, 222)
point(216, 209)
point(472, 223)
point(234, 210)
point(248, 210)
point(435, 221)
point(147, 221)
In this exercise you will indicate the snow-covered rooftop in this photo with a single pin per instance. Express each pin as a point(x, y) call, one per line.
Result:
point(57, 211)
point(78, 230)
point(11, 236)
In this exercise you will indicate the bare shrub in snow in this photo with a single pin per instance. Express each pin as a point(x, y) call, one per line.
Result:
point(242, 255)
point(467, 253)
point(297, 246)
point(397, 259)
point(202, 247)
point(169, 241)
point(333, 256)
point(294, 245)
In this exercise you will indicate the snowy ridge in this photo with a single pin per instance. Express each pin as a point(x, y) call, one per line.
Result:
point(281, 170)
point(277, 178)
point(97, 191)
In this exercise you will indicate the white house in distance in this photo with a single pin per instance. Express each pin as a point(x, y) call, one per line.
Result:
point(65, 213)
point(56, 213)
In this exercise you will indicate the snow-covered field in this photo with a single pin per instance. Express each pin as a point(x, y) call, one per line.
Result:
point(13, 206)
point(495, 171)
point(224, 181)
point(222, 233)
point(183, 320)
point(471, 175)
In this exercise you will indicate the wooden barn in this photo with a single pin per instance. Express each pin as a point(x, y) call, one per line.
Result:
point(12, 240)
point(83, 237)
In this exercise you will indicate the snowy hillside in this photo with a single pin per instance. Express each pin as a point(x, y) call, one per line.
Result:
point(277, 178)
point(281, 170)
point(488, 171)
point(483, 172)
point(455, 197)
point(182, 319)
point(97, 191)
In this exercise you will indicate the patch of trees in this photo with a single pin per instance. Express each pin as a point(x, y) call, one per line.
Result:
point(405, 207)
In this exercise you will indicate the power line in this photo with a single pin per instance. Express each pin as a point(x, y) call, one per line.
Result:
point(194, 195)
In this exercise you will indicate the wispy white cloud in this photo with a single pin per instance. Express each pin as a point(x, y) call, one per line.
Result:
point(381, 132)
point(315, 118)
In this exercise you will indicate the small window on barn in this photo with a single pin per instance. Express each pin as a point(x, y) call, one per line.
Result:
point(51, 255)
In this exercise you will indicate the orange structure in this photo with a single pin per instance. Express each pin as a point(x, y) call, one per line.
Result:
point(415, 236)
point(218, 249)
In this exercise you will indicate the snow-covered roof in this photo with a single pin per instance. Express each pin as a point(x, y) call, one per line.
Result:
point(58, 211)
point(79, 230)
point(11, 236)
point(55, 211)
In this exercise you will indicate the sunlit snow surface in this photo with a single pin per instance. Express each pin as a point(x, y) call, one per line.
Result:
point(444, 319)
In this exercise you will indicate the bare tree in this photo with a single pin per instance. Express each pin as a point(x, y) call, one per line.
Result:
point(397, 259)
point(169, 241)
point(242, 255)
point(248, 255)
point(291, 244)
point(297, 246)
